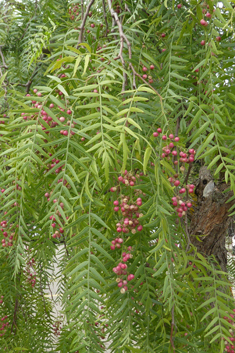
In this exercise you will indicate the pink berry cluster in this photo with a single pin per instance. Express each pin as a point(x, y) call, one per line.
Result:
point(145, 76)
point(180, 205)
point(230, 348)
point(57, 327)
point(54, 161)
point(74, 10)
point(3, 325)
point(30, 271)
point(121, 271)
point(48, 119)
point(128, 179)
point(8, 239)
point(129, 222)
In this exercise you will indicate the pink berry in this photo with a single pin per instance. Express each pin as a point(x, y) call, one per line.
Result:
point(155, 134)
point(145, 76)
point(177, 183)
point(132, 183)
point(116, 209)
point(116, 203)
point(218, 39)
point(208, 15)
point(182, 191)
point(112, 247)
point(159, 130)
point(203, 23)
point(203, 42)
point(164, 137)
point(189, 204)
point(152, 67)
point(179, 6)
point(171, 136)
point(139, 228)
point(119, 229)
point(144, 68)
point(177, 139)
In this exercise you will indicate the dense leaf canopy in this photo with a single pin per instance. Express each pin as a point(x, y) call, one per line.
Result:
point(108, 109)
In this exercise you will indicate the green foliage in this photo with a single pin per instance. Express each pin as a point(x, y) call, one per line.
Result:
point(76, 113)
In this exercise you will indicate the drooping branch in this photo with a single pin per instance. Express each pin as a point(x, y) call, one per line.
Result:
point(123, 38)
point(80, 38)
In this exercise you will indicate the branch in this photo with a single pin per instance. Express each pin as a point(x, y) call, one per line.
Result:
point(80, 38)
point(30, 81)
point(105, 18)
point(172, 328)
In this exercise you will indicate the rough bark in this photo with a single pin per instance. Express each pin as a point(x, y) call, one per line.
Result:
point(210, 221)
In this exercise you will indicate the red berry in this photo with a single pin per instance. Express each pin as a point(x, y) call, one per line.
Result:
point(152, 67)
point(155, 134)
point(164, 137)
point(203, 42)
point(179, 6)
point(144, 68)
point(159, 130)
point(218, 39)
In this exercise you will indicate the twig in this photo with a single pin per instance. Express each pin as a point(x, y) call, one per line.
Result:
point(122, 38)
point(187, 233)
point(105, 18)
point(80, 38)
point(187, 175)
point(177, 126)
point(82, 7)
point(14, 315)
point(30, 81)
point(3, 59)
point(172, 327)
point(42, 294)
point(127, 8)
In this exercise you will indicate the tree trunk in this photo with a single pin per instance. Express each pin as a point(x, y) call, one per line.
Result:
point(210, 221)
